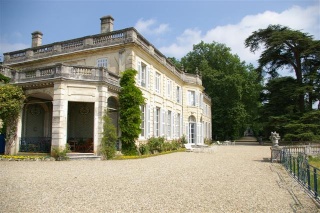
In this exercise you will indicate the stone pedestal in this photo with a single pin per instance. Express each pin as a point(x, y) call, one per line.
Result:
point(276, 154)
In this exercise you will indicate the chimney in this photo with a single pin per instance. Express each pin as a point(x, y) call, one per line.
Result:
point(36, 38)
point(106, 24)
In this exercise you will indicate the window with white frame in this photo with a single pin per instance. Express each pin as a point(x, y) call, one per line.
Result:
point(191, 98)
point(157, 122)
point(142, 69)
point(169, 120)
point(178, 91)
point(157, 82)
point(143, 121)
point(102, 62)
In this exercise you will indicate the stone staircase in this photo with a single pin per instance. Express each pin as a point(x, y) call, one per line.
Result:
point(247, 140)
point(82, 156)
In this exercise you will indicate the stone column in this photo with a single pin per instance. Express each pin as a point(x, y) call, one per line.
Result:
point(99, 107)
point(59, 116)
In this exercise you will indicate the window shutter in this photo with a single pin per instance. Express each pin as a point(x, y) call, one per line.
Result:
point(196, 98)
point(139, 73)
point(161, 121)
point(198, 133)
point(154, 121)
point(147, 121)
point(181, 127)
point(187, 132)
point(164, 132)
point(172, 125)
point(147, 77)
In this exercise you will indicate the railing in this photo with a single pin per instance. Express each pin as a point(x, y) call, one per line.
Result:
point(305, 149)
point(63, 71)
point(106, 39)
point(302, 171)
point(35, 144)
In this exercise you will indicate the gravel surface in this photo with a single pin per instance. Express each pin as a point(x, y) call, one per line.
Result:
point(232, 179)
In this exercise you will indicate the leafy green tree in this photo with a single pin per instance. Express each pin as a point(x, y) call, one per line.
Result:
point(306, 128)
point(130, 100)
point(175, 62)
point(233, 86)
point(11, 102)
point(109, 139)
point(290, 49)
point(4, 79)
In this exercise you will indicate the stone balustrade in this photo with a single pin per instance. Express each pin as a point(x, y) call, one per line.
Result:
point(61, 71)
point(192, 79)
point(106, 39)
point(124, 36)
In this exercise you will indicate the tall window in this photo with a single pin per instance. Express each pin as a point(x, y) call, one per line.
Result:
point(178, 127)
point(157, 122)
point(192, 130)
point(142, 74)
point(102, 62)
point(169, 120)
point(143, 120)
point(157, 83)
point(178, 94)
point(191, 98)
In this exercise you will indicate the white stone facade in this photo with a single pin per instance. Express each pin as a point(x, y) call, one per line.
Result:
point(70, 84)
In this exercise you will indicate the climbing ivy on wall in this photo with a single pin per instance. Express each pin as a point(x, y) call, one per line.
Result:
point(130, 100)
point(11, 102)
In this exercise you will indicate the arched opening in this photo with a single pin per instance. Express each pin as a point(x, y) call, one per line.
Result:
point(192, 130)
point(36, 124)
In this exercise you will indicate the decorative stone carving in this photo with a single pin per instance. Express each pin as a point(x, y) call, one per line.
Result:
point(274, 137)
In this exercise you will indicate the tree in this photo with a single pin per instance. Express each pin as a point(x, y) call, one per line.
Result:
point(109, 139)
point(233, 86)
point(291, 49)
point(279, 104)
point(130, 100)
point(11, 102)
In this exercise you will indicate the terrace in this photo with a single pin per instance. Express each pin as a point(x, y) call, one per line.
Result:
point(120, 37)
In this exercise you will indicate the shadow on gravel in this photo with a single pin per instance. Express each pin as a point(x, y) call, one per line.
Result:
point(264, 160)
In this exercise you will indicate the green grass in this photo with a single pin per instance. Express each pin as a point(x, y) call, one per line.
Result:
point(125, 157)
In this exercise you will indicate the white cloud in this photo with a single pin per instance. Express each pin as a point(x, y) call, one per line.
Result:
point(304, 19)
point(150, 27)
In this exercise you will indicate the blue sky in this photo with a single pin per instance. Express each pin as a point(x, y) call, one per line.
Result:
point(171, 26)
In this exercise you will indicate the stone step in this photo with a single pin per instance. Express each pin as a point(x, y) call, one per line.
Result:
point(82, 156)
point(247, 139)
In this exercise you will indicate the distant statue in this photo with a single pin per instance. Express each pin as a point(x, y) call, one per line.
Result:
point(248, 132)
point(274, 137)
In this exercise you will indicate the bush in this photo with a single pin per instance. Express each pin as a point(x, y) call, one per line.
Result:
point(156, 144)
point(176, 144)
point(208, 141)
point(144, 149)
point(61, 153)
point(183, 139)
point(308, 136)
point(109, 139)
point(129, 149)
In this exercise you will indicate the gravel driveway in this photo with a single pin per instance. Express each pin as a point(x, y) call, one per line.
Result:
point(232, 179)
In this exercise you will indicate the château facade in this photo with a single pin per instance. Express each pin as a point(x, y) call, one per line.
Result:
point(70, 84)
